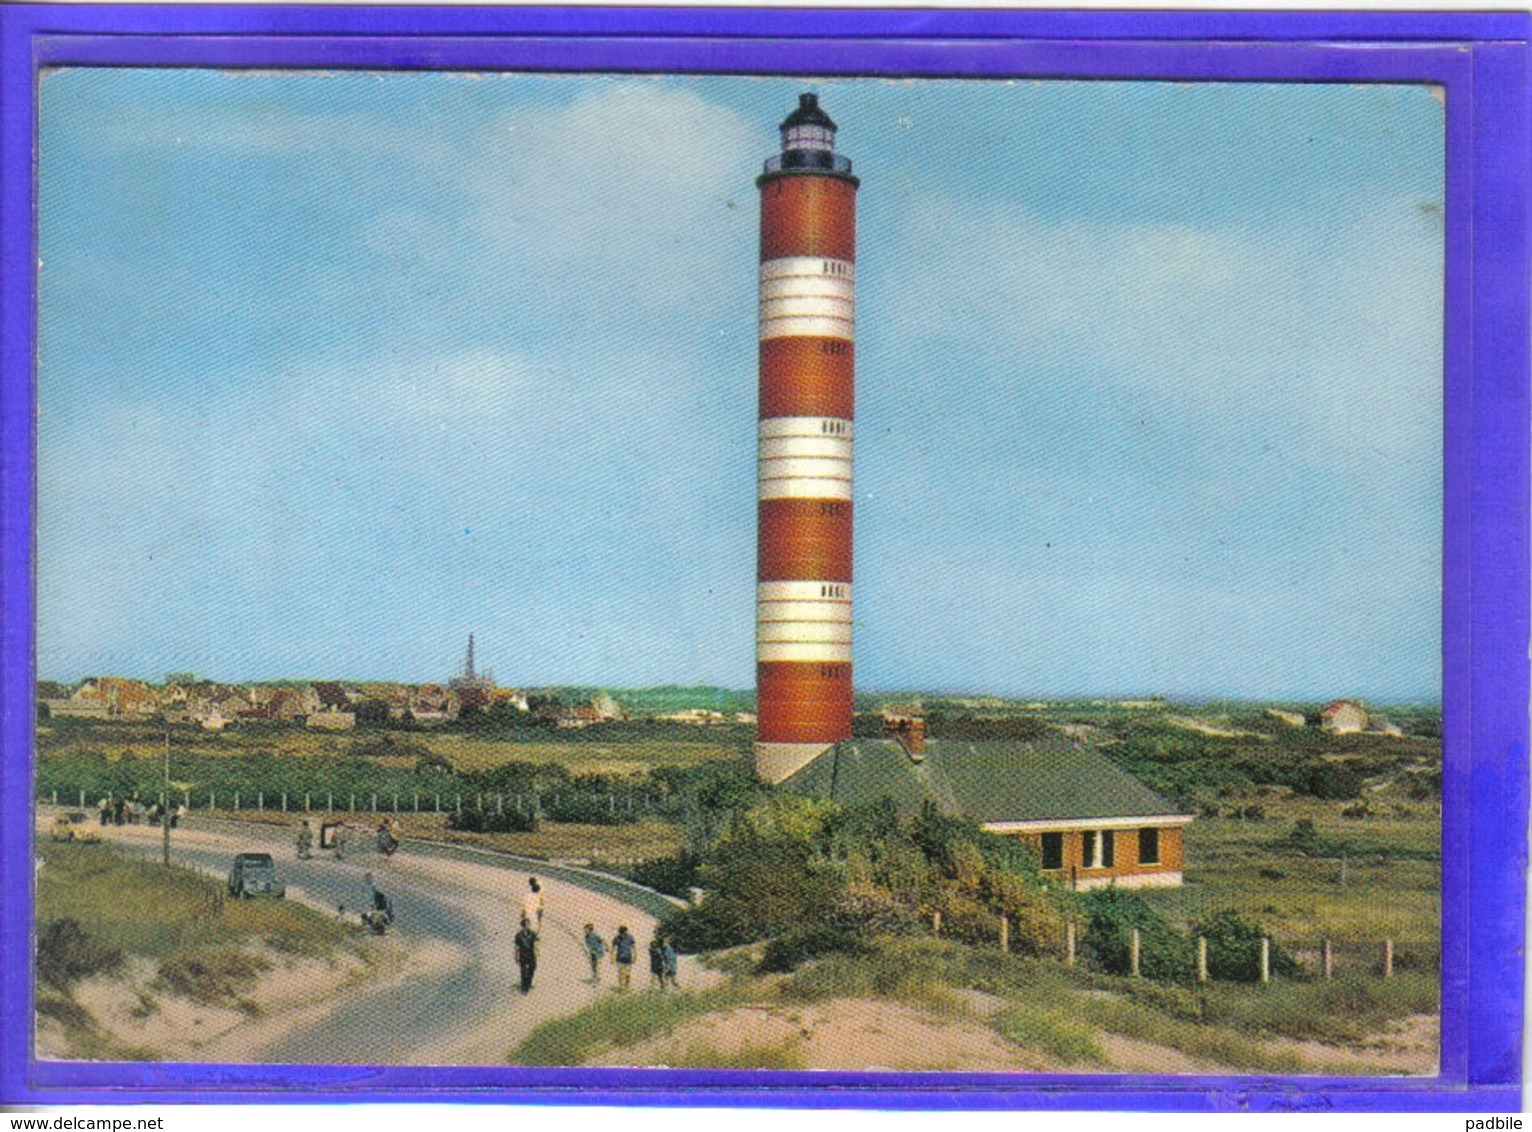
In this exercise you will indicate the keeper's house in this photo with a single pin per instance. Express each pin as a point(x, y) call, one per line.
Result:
point(1090, 822)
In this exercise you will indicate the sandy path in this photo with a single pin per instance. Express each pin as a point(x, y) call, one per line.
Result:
point(456, 999)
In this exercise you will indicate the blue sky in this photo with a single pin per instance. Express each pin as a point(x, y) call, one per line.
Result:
point(336, 369)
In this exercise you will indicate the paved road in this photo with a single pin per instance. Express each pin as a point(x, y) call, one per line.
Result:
point(458, 1001)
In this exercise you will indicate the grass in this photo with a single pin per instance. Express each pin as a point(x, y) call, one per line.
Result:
point(1067, 1014)
point(158, 912)
point(703, 1055)
point(1334, 1011)
point(213, 976)
point(621, 1022)
point(180, 921)
point(1037, 1028)
point(1392, 886)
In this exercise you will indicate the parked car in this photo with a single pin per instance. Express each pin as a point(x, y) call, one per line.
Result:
point(72, 826)
point(255, 874)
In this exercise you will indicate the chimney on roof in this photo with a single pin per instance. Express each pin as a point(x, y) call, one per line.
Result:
point(910, 732)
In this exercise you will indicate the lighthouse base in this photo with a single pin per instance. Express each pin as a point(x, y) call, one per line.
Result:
point(777, 761)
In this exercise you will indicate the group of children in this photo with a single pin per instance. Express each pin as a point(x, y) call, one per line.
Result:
point(624, 947)
point(662, 957)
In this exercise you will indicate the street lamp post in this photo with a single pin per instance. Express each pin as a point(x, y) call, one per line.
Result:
point(165, 804)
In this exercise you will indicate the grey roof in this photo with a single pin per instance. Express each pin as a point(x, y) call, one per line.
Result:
point(1051, 780)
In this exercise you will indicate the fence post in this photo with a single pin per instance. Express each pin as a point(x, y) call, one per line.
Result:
point(374, 803)
point(478, 802)
point(186, 798)
point(1005, 935)
point(1265, 959)
point(1069, 943)
point(1329, 960)
point(1388, 958)
point(329, 801)
point(212, 800)
point(417, 801)
point(284, 801)
point(236, 800)
point(1133, 957)
point(459, 804)
point(499, 803)
point(306, 806)
point(260, 800)
point(352, 808)
point(936, 922)
point(438, 804)
point(82, 799)
point(1202, 958)
point(56, 798)
point(396, 803)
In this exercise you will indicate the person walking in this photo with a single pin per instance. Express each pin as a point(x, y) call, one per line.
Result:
point(624, 948)
point(305, 841)
point(656, 964)
point(671, 960)
point(526, 953)
point(532, 904)
point(595, 950)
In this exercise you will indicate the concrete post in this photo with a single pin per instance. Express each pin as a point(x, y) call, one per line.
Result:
point(1069, 943)
point(438, 805)
point(284, 801)
point(1005, 935)
point(1329, 960)
point(396, 804)
point(306, 806)
point(212, 800)
point(499, 803)
point(459, 806)
point(236, 800)
point(417, 801)
point(329, 801)
point(1134, 954)
point(260, 801)
point(374, 803)
point(352, 808)
point(1202, 958)
point(478, 802)
point(1388, 958)
point(1265, 960)
point(936, 922)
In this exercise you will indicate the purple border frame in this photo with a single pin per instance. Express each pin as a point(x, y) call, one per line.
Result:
point(1481, 59)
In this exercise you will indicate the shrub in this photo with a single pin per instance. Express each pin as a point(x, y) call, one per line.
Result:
point(1234, 948)
point(814, 941)
point(584, 809)
point(1333, 782)
point(67, 953)
point(1111, 915)
point(477, 821)
point(675, 876)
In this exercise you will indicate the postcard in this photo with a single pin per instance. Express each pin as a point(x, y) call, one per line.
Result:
point(760, 574)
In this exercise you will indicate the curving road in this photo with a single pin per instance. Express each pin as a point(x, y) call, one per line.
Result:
point(458, 1000)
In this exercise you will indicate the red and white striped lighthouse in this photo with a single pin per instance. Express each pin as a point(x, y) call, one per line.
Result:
point(803, 569)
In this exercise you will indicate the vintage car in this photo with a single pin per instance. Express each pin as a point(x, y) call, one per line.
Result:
point(255, 874)
point(72, 826)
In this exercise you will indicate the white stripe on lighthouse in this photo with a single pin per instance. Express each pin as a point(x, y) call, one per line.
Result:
point(803, 621)
point(807, 296)
point(804, 458)
point(802, 652)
